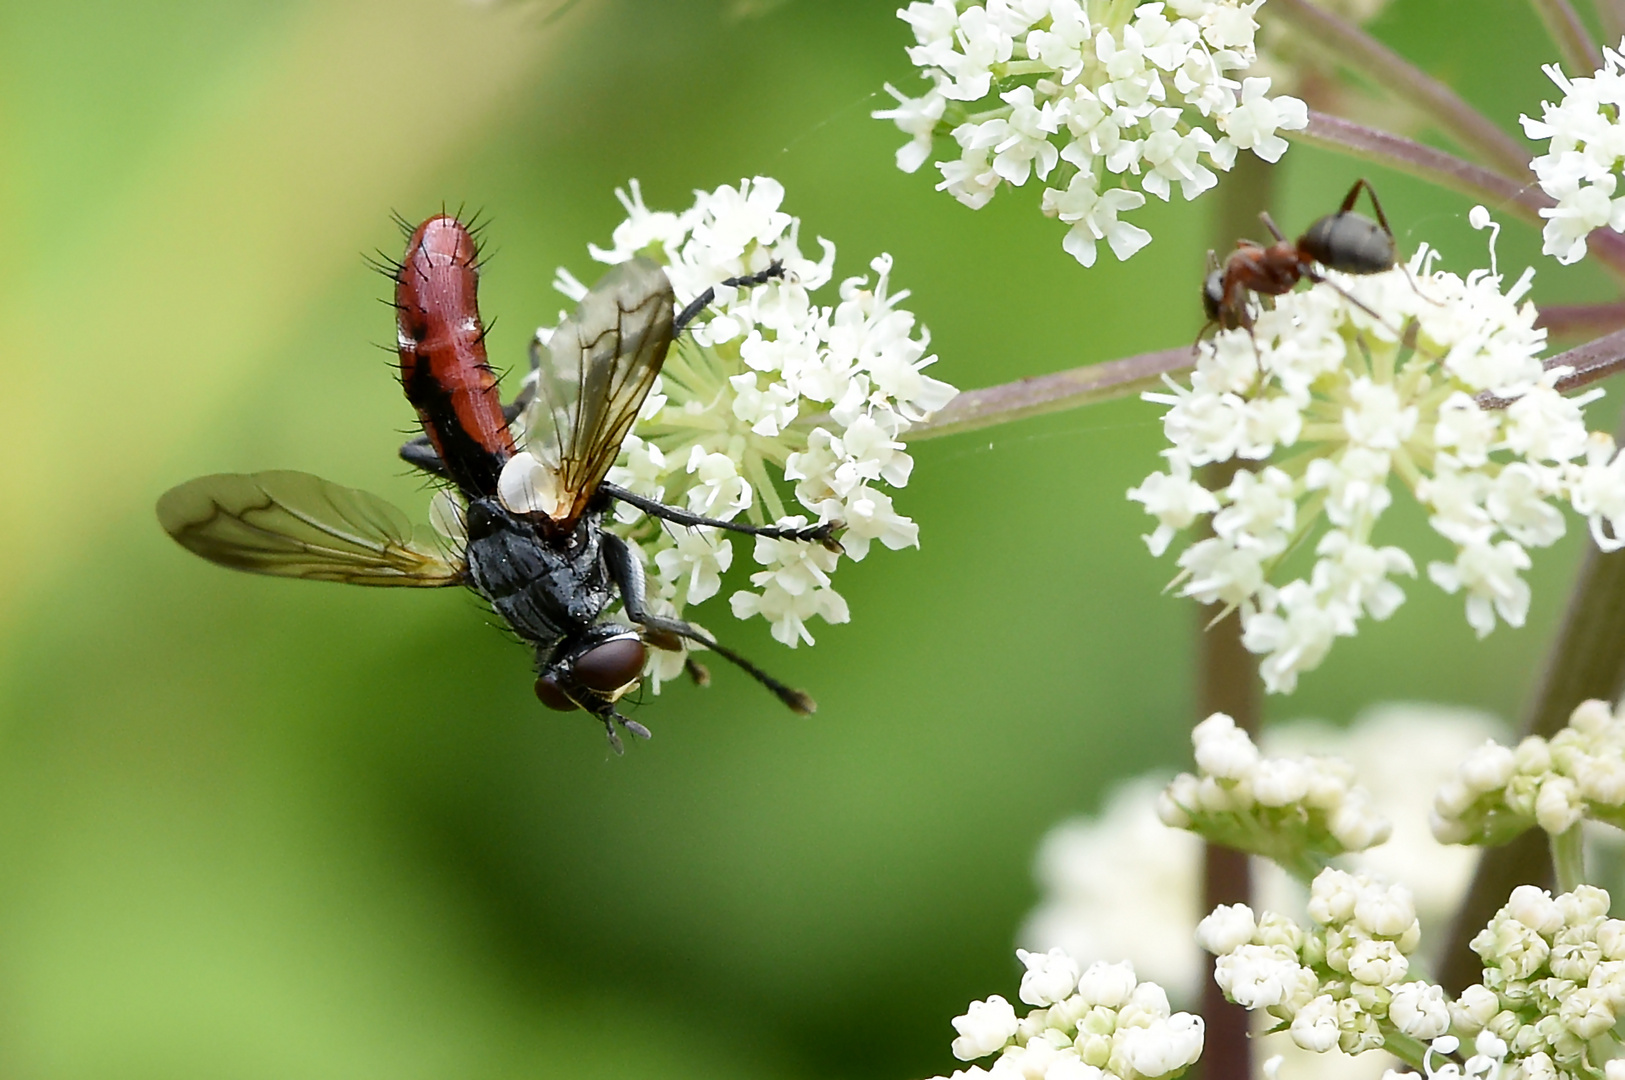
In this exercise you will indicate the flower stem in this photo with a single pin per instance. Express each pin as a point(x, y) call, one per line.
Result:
point(1568, 858)
point(1592, 362)
point(1465, 125)
point(1580, 53)
point(1576, 320)
point(1435, 166)
point(1587, 660)
point(1611, 13)
point(1406, 1048)
point(1227, 679)
point(990, 406)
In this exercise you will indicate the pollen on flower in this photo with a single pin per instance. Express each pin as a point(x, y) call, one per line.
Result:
point(1098, 1023)
point(1341, 393)
point(772, 408)
point(1103, 103)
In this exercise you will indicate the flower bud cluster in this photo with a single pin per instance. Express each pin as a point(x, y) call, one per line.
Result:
point(1498, 791)
point(1298, 811)
point(1554, 981)
point(1342, 982)
point(1585, 156)
point(1098, 1024)
point(1086, 96)
point(1334, 406)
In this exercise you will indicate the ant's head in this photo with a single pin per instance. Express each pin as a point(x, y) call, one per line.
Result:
point(1349, 242)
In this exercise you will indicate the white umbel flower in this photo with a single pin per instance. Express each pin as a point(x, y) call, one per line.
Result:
point(1333, 408)
point(1338, 982)
point(1099, 1024)
point(1585, 154)
point(773, 408)
point(1103, 103)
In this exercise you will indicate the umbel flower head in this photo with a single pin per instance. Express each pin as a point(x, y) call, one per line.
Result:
point(773, 407)
point(1326, 405)
point(1553, 984)
point(1120, 883)
point(1584, 157)
point(1499, 791)
point(1103, 101)
point(1299, 812)
point(1098, 1024)
point(1341, 982)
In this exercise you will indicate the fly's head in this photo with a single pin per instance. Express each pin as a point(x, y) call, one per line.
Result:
point(594, 673)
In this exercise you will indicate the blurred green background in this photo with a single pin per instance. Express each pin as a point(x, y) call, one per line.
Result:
point(257, 828)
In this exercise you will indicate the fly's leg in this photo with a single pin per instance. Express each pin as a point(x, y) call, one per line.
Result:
point(703, 301)
point(822, 533)
point(627, 573)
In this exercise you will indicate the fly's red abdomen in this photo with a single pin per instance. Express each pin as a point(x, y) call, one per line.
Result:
point(442, 348)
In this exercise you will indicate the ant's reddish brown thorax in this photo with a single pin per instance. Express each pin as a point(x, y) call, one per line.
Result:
point(1345, 241)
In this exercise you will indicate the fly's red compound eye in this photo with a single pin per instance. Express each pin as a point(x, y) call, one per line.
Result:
point(612, 665)
point(549, 694)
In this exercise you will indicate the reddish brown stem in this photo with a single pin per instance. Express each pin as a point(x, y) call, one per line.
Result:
point(1465, 125)
point(1435, 166)
point(1582, 320)
point(1040, 394)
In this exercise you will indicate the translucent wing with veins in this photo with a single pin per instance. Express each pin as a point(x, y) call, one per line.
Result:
point(293, 524)
point(599, 367)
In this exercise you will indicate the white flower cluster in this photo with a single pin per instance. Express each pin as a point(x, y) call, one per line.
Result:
point(1096, 1024)
point(1297, 811)
point(1122, 884)
point(1084, 94)
point(1341, 983)
point(767, 390)
point(1585, 154)
point(1332, 403)
point(1499, 791)
point(1554, 981)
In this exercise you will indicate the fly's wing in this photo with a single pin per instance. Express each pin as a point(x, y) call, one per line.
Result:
point(599, 366)
point(293, 524)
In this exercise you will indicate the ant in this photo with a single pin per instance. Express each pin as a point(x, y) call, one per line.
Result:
point(1344, 241)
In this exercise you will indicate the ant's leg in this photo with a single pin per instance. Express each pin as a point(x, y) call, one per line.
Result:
point(1269, 223)
point(1354, 193)
point(627, 573)
point(703, 301)
point(822, 533)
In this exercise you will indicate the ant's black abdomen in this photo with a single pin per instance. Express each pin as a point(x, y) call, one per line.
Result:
point(1349, 242)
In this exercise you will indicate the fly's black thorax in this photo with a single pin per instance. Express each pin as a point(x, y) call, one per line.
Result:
point(546, 589)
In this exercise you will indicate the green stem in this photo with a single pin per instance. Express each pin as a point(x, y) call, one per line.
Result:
point(1579, 52)
point(1407, 1048)
point(1468, 127)
point(1568, 858)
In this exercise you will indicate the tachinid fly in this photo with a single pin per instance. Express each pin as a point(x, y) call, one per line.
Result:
point(552, 572)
